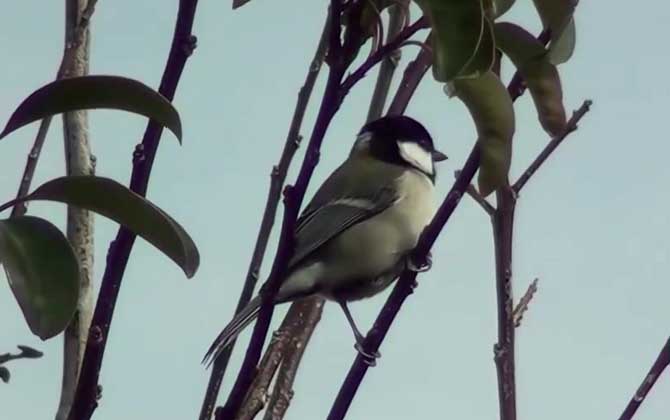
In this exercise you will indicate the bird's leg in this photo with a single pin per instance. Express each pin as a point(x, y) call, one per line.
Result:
point(417, 265)
point(368, 357)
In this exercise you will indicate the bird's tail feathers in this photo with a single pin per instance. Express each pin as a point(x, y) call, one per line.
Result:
point(233, 329)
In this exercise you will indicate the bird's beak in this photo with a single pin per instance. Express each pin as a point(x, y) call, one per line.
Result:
point(438, 156)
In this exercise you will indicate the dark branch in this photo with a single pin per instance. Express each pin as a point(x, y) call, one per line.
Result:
point(88, 389)
point(293, 197)
point(570, 126)
point(661, 362)
point(278, 177)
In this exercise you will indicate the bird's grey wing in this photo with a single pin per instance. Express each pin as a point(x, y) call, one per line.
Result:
point(348, 203)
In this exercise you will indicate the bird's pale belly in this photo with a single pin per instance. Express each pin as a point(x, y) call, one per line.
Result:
point(367, 257)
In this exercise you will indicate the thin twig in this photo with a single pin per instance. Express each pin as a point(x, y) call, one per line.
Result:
point(403, 288)
point(277, 180)
point(293, 197)
point(661, 362)
point(410, 81)
point(570, 126)
point(475, 195)
point(522, 306)
point(80, 222)
point(72, 46)
point(88, 389)
point(388, 66)
point(382, 52)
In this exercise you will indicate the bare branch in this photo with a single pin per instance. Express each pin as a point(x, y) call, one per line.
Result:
point(277, 179)
point(306, 316)
point(661, 362)
point(88, 390)
point(78, 161)
point(522, 306)
point(570, 126)
point(293, 197)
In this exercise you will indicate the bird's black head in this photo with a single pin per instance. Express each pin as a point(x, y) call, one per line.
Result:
point(401, 140)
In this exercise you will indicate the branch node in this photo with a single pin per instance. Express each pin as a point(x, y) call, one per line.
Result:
point(522, 306)
point(189, 45)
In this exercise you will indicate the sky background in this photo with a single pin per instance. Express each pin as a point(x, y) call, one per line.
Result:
point(591, 225)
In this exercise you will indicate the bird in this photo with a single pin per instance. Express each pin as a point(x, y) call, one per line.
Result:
point(355, 236)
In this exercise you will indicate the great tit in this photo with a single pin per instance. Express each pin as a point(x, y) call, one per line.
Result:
point(354, 238)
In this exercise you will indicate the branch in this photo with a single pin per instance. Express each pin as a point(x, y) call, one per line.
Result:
point(307, 316)
point(278, 177)
point(570, 126)
point(522, 306)
point(410, 81)
point(293, 197)
point(88, 389)
point(403, 288)
point(382, 52)
point(79, 36)
point(661, 362)
point(389, 64)
point(78, 161)
point(475, 195)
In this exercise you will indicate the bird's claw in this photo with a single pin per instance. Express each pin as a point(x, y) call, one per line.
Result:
point(369, 358)
point(420, 266)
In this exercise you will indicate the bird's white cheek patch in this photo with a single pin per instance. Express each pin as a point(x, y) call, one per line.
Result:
point(416, 156)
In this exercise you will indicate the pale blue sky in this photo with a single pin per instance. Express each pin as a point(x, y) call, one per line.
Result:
point(592, 225)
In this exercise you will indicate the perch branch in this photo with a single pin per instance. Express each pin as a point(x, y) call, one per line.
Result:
point(88, 389)
point(661, 362)
point(278, 177)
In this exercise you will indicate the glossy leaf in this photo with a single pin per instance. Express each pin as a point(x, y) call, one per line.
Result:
point(463, 44)
point(115, 201)
point(561, 49)
point(491, 108)
point(43, 273)
point(557, 15)
point(91, 92)
point(542, 79)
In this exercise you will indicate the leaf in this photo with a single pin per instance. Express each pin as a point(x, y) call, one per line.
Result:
point(29, 352)
point(43, 273)
point(91, 92)
point(4, 374)
point(239, 3)
point(115, 201)
point(531, 59)
point(463, 44)
point(557, 16)
point(491, 108)
point(561, 49)
point(502, 6)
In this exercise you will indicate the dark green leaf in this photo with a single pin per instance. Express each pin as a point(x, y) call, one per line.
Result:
point(463, 44)
point(90, 92)
point(491, 108)
point(29, 352)
point(43, 273)
point(544, 83)
point(4, 374)
point(502, 6)
point(556, 15)
point(113, 200)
